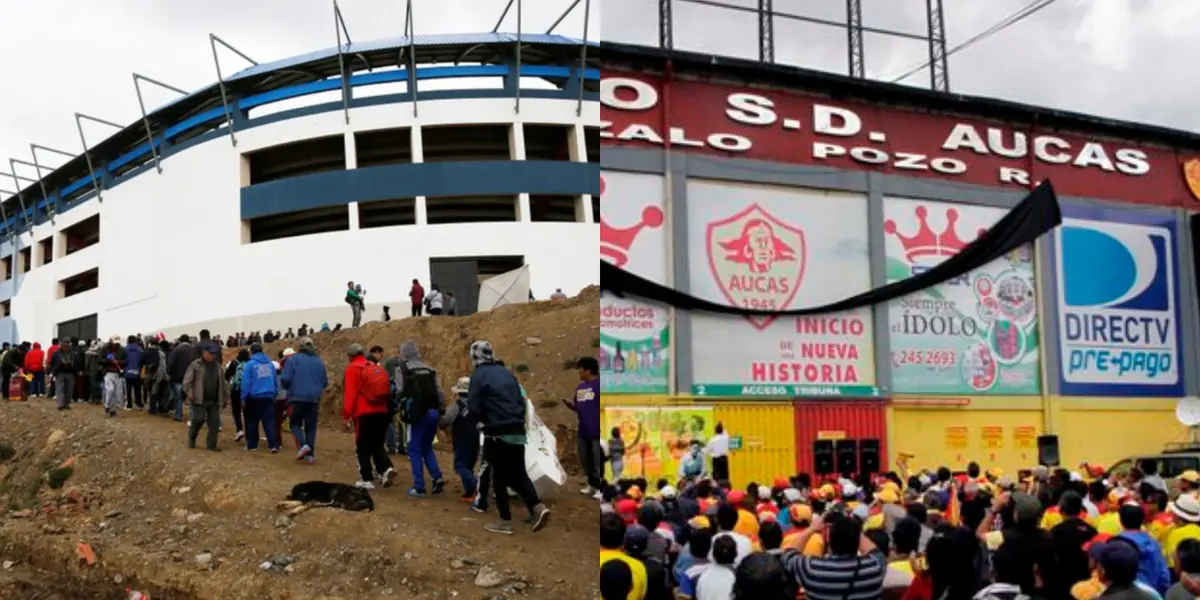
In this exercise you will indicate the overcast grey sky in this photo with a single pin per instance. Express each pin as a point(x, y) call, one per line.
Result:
point(1126, 59)
point(59, 57)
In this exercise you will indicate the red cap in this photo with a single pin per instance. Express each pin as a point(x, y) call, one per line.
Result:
point(736, 497)
point(627, 508)
point(781, 483)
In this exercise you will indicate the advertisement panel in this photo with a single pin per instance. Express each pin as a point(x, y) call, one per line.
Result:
point(1116, 274)
point(976, 334)
point(657, 437)
point(634, 336)
point(779, 248)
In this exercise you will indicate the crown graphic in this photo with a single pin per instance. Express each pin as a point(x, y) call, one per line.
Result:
point(615, 242)
point(926, 242)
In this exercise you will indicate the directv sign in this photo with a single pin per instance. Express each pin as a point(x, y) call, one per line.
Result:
point(1118, 303)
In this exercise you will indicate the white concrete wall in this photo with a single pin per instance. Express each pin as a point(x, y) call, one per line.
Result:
point(171, 255)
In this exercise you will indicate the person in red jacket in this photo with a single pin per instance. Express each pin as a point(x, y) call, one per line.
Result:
point(416, 294)
point(50, 352)
point(366, 403)
point(35, 364)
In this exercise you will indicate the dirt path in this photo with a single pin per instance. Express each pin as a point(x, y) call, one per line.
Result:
point(151, 506)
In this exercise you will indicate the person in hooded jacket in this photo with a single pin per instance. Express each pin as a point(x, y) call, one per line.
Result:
point(35, 365)
point(133, 373)
point(465, 431)
point(494, 397)
point(233, 372)
point(93, 360)
point(305, 380)
point(1152, 565)
point(434, 301)
point(259, 388)
point(369, 416)
point(422, 402)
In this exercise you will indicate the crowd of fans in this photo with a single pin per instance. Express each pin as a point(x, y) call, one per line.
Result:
point(1046, 534)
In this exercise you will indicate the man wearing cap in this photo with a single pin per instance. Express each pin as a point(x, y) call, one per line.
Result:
point(1118, 571)
point(305, 380)
point(1189, 482)
point(259, 389)
point(207, 392)
point(370, 418)
point(464, 430)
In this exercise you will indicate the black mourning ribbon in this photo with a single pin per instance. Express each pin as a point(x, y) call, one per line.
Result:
point(1037, 214)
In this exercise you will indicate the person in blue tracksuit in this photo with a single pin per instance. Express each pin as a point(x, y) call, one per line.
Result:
point(464, 428)
point(133, 373)
point(305, 380)
point(418, 388)
point(259, 388)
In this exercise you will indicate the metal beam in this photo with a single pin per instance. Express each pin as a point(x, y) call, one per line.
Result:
point(939, 66)
point(807, 19)
point(339, 26)
point(137, 79)
point(411, 27)
point(666, 25)
point(587, 10)
point(20, 198)
point(766, 31)
point(79, 117)
point(854, 42)
point(504, 14)
point(559, 21)
point(213, 40)
point(52, 206)
point(41, 184)
point(517, 106)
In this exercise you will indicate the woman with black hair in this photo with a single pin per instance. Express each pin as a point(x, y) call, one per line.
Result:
point(762, 577)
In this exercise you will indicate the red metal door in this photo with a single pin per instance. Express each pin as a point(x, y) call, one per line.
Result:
point(855, 420)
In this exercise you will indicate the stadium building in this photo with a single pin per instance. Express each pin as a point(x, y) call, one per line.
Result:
point(249, 204)
point(766, 186)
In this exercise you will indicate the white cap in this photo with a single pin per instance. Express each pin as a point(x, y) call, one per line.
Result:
point(288, 352)
point(792, 495)
point(668, 492)
point(1075, 476)
point(849, 489)
point(764, 492)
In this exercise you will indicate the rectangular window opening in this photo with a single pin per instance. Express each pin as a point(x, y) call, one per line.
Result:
point(547, 142)
point(591, 139)
point(5, 309)
point(383, 147)
point(6, 264)
point(46, 251)
point(81, 235)
point(25, 259)
point(80, 283)
point(463, 142)
point(471, 209)
point(387, 213)
point(553, 209)
point(318, 155)
point(303, 222)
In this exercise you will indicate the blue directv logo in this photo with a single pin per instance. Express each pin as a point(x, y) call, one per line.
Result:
point(1117, 308)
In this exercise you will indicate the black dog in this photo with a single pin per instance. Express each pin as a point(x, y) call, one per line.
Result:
point(338, 495)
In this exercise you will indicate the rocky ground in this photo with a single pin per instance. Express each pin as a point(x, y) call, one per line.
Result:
point(95, 506)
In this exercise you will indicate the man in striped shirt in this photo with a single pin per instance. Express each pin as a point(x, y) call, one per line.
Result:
point(853, 569)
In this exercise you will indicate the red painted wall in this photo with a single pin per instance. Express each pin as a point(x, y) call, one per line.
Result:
point(860, 419)
point(907, 139)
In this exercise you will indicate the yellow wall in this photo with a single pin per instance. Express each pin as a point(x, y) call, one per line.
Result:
point(1105, 430)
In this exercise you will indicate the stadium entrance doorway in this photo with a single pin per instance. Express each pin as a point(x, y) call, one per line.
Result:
point(83, 328)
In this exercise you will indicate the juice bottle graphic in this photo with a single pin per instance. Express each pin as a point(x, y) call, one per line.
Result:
point(631, 360)
point(644, 355)
point(605, 359)
point(618, 360)
point(656, 354)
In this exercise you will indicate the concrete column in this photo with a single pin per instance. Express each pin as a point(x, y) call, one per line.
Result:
point(418, 147)
point(351, 151)
point(523, 214)
point(577, 143)
point(583, 209)
point(422, 215)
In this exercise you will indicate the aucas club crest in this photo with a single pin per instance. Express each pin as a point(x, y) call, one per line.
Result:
point(757, 261)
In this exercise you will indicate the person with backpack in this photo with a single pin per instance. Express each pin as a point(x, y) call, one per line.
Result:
point(305, 380)
point(465, 431)
point(422, 403)
point(397, 433)
point(259, 388)
point(368, 393)
point(63, 368)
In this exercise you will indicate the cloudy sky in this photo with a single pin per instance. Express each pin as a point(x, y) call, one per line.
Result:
point(1126, 59)
point(59, 57)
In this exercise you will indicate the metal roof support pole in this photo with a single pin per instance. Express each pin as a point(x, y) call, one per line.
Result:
point(36, 166)
point(556, 23)
point(20, 199)
point(7, 229)
point(79, 117)
point(666, 25)
point(339, 25)
point(854, 39)
point(213, 40)
point(411, 32)
point(33, 148)
point(939, 67)
point(766, 31)
point(517, 75)
point(502, 15)
point(587, 10)
point(137, 79)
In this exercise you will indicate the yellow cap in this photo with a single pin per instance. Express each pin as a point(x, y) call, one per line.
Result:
point(700, 522)
point(1189, 476)
point(888, 496)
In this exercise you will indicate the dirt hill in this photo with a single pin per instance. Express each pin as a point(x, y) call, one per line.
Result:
point(540, 341)
point(198, 525)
